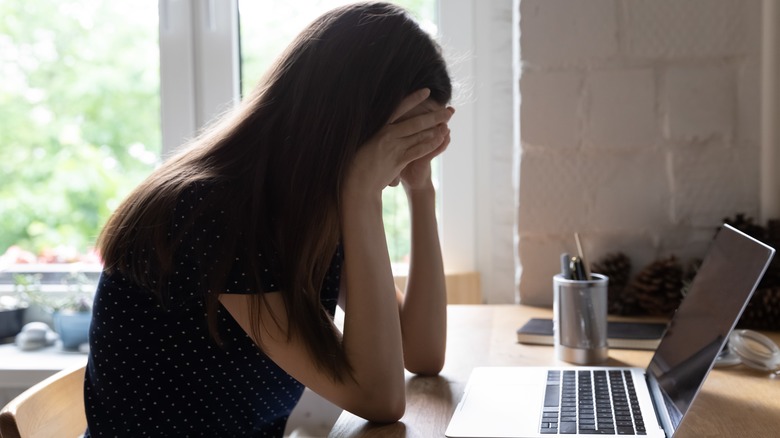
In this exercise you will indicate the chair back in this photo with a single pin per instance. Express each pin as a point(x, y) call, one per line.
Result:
point(53, 407)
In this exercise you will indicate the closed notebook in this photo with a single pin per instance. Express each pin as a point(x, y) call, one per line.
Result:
point(628, 335)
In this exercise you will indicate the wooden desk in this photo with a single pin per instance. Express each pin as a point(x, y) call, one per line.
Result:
point(480, 335)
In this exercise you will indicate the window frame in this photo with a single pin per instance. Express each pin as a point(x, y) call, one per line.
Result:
point(200, 78)
point(199, 66)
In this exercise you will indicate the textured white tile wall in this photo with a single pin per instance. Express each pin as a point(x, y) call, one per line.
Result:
point(683, 29)
point(638, 128)
point(566, 32)
point(620, 109)
point(698, 101)
point(550, 108)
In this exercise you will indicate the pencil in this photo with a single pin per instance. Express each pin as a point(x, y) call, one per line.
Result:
point(581, 254)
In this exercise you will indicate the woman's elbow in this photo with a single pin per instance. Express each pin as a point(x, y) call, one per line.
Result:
point(427, 366)
point(390, 413)
point(387, 410)
point(380, 402)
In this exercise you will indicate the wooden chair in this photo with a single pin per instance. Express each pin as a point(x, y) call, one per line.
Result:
point(51, 408)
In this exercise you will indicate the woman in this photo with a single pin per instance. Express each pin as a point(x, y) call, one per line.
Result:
point(222, 270)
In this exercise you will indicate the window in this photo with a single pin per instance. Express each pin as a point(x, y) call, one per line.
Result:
point(79, 120)
point(94, 92)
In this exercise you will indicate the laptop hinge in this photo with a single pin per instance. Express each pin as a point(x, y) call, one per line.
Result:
point(665, 411)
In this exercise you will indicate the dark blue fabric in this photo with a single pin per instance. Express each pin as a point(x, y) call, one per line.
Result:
point(155, 370)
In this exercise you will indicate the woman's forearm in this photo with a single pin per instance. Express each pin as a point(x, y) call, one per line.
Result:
point(372, 333)
point(424, 306)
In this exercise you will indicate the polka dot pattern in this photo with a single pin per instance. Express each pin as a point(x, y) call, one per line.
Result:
point(155, 370)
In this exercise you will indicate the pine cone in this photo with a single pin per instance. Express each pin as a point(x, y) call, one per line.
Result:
point(658, 287)
point(745, 224)
point(616, 266)
point(771, 279)
point(689, 271)
point(769, 235)
point(773, 231)
point(763, 310)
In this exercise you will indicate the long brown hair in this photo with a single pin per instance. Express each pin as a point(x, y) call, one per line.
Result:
point(281, 157)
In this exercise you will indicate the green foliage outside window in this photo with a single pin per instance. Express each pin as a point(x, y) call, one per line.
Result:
point(79, 116)
point(80, 111)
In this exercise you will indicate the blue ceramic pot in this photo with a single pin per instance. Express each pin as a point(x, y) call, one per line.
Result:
point(73, 328)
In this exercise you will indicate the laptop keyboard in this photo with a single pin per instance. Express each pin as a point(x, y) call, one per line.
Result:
point(591, 402)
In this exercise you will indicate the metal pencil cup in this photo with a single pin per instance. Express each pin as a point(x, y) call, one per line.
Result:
point(580, 319)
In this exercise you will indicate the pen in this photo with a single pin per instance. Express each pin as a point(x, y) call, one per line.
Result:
point(566, 266)
point(577, 269)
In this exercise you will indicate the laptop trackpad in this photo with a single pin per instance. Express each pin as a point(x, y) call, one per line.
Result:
point(499, 404)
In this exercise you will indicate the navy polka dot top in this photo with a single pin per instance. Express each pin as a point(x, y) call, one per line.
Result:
point(156, 371)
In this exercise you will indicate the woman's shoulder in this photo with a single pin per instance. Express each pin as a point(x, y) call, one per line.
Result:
point(199, 191)
point(200, 201)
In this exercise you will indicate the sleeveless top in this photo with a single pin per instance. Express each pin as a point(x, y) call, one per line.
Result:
point(155, 370)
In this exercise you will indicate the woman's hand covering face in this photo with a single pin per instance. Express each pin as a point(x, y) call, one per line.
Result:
point(415, 133)
point(417, 174)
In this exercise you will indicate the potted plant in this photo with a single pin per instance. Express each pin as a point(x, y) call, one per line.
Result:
point(68, 309)
point(72, 324)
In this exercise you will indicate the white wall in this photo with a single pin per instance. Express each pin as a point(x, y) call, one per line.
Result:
point(639, 128)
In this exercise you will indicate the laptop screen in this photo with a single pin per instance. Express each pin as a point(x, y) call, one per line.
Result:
point(716, 298)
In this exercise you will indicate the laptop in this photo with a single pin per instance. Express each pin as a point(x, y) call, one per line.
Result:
point(526, 402)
